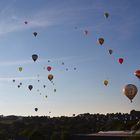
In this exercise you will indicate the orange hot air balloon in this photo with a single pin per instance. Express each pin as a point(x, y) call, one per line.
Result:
point(120, 60)
point(137, 73)
point(50, 77)
point(101, 41)
point(130, 91)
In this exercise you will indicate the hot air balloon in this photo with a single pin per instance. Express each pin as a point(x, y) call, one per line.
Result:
point(137, 74)
point(46, 96)
point(86, 32)
point(18, 86)
point(105, 82)
point(44, 86)
point(38, 80)
point(50, 77)
point(74, 68)
point(34, 57)
point(54, 90)
point(14, 80)
point(48, 60)
point(130, 91)
point(30, 87)
point(20, 69)
point(62, 63)
point(26, 22)
point(106, 15)
point(36, 109)
point(120, 60)
point(49, 68)
point(101, 41)
point(110, 51)
point(66, 69)
point(35, 34)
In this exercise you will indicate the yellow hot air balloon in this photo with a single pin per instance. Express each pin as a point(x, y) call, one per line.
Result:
point(20, 69)
point(50, 77)
point(130, 91)
point(105, 82)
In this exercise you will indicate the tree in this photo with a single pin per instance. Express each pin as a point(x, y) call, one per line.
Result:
point(37, 136)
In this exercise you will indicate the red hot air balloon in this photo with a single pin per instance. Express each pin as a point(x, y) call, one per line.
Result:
point(120, 60)
point(137, 73)
point(49, 68)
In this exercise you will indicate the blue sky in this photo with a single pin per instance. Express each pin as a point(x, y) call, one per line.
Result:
point(60, 25)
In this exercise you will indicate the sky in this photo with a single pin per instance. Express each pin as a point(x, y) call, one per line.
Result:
point(61, 37)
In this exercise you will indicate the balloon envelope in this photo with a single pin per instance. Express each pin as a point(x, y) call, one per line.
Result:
point(86, 32)
point(101, 41)
point(36, 109)
point(137, 73)
point(130, 91)
point(35, 34)
point(49, 68)
point(120, 60)
point(50, 77)
point(106, 15)
point(20, 69)
point(105, 82)
point(26, 22)
point(30, 87)
point(110, 51)
point(34, 57)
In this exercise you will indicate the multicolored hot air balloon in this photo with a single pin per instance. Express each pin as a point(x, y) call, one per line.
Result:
point(101, 41)
point(130, 91)
point(137, 73)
